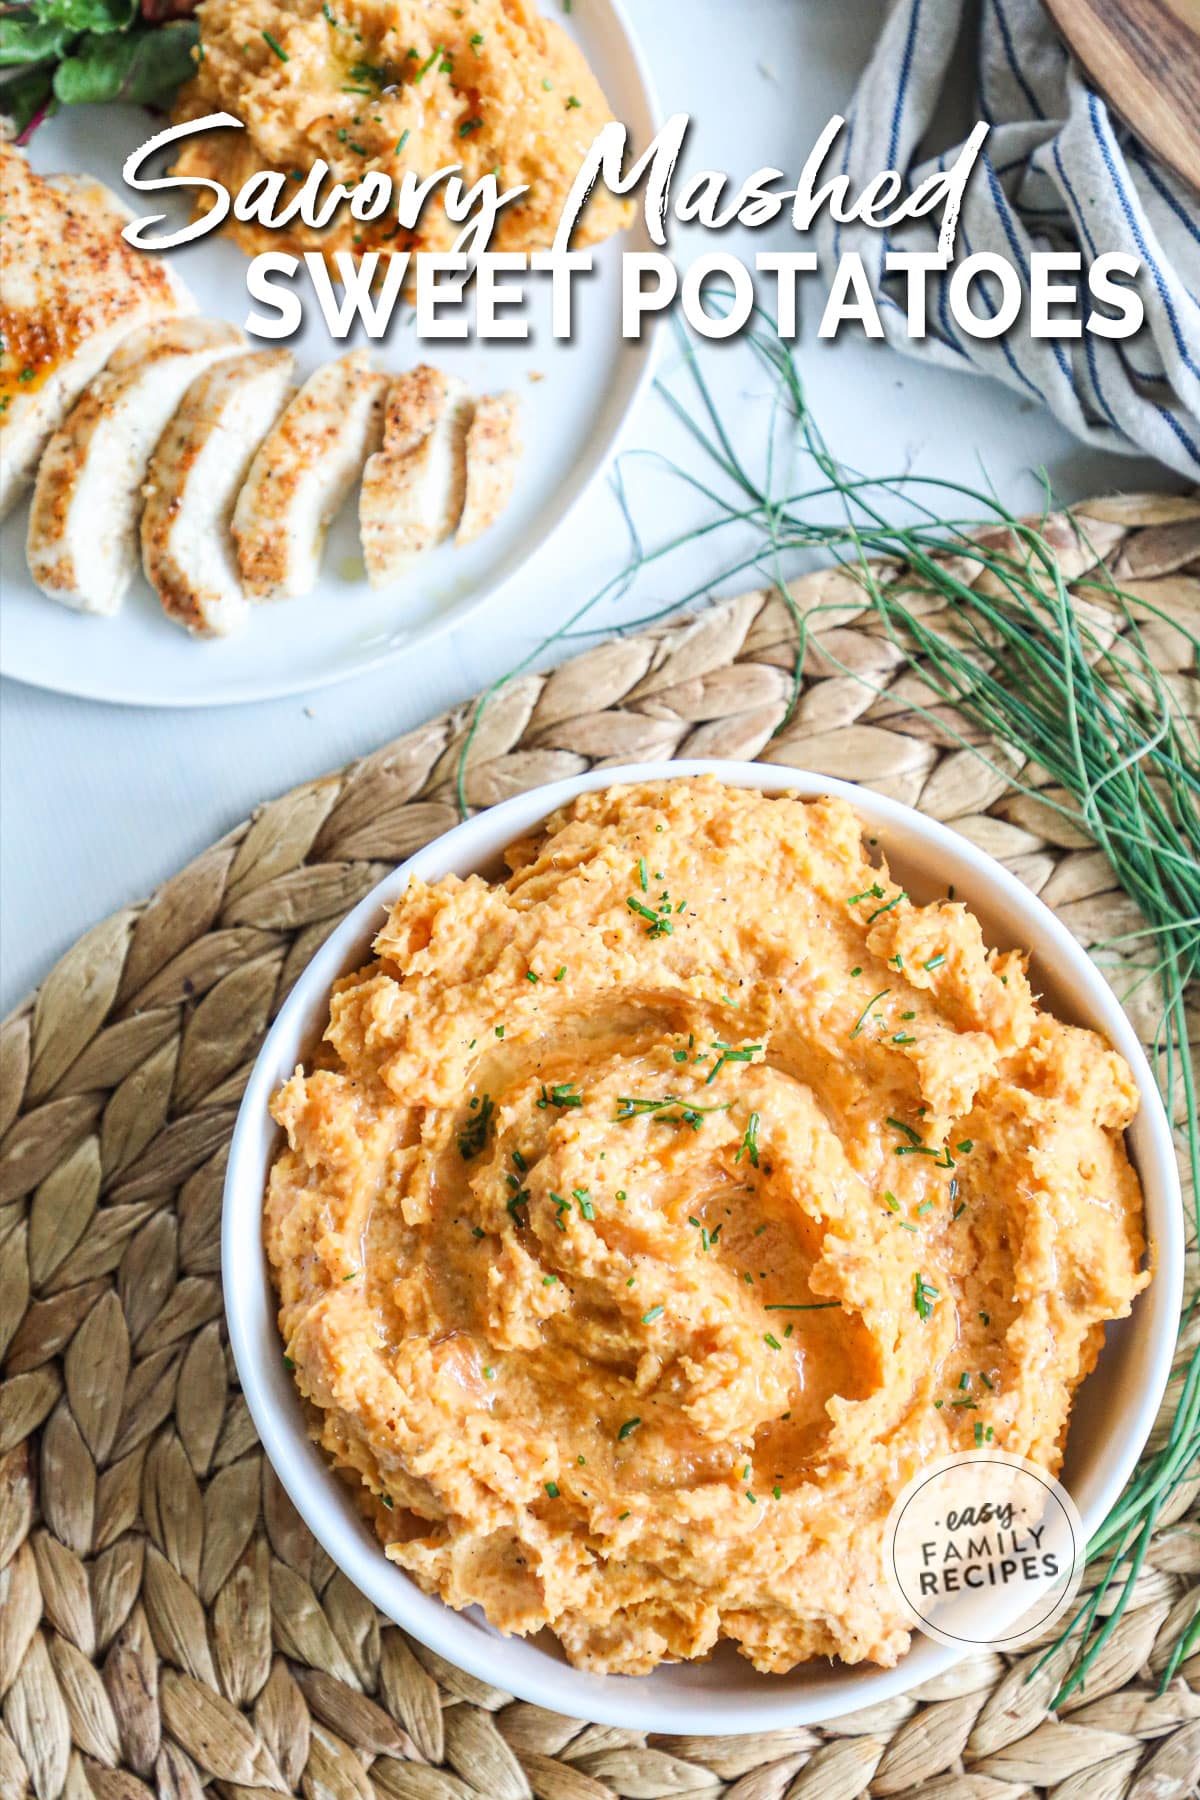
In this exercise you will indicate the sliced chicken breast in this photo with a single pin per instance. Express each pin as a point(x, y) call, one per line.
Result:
point(413, 489)
point(196, 472)
point(73, 289)
point(302, 472)
point(493, 452)
point(82, 542)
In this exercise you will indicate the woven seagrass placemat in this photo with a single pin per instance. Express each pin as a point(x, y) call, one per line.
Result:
point(166, 1621)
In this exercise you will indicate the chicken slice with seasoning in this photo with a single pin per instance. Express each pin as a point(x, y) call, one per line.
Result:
point(73, 290)
point(414, 488)
point(493, 452)
point(196, 473)
point(301, 474)
point(82, 542)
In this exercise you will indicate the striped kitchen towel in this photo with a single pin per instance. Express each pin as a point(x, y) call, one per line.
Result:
point(1057, 172)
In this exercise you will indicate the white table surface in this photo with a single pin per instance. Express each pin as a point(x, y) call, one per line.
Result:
point(99, 803)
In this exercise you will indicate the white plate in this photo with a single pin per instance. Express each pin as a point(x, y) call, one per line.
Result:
point(570, 421)
point(1113, 1411)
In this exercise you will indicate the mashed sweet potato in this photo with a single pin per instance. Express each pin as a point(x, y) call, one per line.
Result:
point(396, 85)
point(648, 1219)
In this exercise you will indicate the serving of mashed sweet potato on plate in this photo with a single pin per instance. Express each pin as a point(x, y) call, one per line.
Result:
point(390, 86)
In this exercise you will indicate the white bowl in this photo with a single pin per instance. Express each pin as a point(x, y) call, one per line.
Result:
point(1112, 1415)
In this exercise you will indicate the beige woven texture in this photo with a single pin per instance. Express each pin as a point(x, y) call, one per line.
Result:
point(166, 1622)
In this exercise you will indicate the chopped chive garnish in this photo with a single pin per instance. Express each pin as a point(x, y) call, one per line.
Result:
point(657, 927)
point(643, 878)
point(401, 141)
point(276, 46)
point(656, 1312)
point(942, 1157)
point(561, 972)
point(562, 1094)
point(935, 962)
point(629, 1106)
point(474, 1134)
point(499, 1031)
point(552, 1489)
point(627, 1429)
point(862, 1017)
point(874, 892)
point(880, 910)
point(925, 1296)
point(746, 1054)
point(749, 1144)
point(771, 1341)
point(914, 1137)
point(807, 1306)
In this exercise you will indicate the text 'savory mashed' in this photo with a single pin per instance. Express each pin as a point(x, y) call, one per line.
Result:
point(650, 1218)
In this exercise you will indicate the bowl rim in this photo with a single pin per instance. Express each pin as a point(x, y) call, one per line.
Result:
point(271, 1397)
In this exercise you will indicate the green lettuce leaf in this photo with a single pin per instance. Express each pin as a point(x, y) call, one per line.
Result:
point(100, 16)
point(144, 66)
point(24, 39)
point(23, 96)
